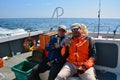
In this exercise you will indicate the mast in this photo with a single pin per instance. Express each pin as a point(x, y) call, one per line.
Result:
point(99, 11)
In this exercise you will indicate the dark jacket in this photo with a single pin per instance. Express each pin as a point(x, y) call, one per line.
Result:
point(55, 53)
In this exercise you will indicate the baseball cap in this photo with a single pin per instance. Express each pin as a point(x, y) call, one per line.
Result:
point(62, 27)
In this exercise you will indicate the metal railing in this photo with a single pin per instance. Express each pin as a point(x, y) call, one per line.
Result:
point(56, 11)
point(114, 31)
point(95, 28)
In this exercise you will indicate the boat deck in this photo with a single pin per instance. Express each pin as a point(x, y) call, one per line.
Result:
point(5, 72)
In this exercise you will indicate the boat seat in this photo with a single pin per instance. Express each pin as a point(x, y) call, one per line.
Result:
point(106, 75)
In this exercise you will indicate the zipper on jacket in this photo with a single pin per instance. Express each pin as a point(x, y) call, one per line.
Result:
point(76, 52)
point(76, 59)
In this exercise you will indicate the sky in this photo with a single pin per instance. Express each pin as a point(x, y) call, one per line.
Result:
point(72, 8)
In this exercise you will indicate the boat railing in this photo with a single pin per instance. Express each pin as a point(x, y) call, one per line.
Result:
point(58, 14)
point(104, 31)
point(95, 27)
point(114, 31)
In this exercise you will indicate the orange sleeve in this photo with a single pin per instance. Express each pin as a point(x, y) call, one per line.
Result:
point(89, 63)
point(63, 50)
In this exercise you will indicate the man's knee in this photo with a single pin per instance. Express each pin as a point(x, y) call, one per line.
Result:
point(89, 74)
point(60, 78)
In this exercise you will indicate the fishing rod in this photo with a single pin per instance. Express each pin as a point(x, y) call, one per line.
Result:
point(99, 12)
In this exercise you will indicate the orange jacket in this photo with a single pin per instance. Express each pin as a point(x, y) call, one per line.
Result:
point(81, 52)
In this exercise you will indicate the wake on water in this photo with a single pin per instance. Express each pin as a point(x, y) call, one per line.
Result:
point(4, 32)
point(11, 32)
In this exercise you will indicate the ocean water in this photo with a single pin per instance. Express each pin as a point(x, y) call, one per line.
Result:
point(23, 25)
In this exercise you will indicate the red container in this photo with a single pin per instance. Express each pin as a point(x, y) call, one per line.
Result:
point(1, 63)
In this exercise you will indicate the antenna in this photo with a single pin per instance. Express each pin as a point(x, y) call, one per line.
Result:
point(99, 11)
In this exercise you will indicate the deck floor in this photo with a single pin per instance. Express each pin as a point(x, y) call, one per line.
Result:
point(5, 72)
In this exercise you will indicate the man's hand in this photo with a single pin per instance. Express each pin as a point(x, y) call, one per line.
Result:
point(67, 42)
point(81, 69)
point(50, 63)
point(57, 45)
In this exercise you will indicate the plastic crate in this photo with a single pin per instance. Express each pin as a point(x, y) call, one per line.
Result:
point(23, 69)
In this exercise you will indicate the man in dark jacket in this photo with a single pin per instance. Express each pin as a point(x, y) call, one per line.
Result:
point(54, 61)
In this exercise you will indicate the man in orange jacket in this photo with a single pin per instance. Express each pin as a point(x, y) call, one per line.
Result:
point(80, 56)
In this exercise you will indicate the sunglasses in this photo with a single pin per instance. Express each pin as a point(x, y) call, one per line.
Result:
point(62, 30)
point(75, 29)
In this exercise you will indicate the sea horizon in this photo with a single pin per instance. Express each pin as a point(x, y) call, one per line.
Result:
point(59, 18)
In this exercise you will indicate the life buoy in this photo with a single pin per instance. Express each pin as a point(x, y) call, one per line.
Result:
point(29, 44)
